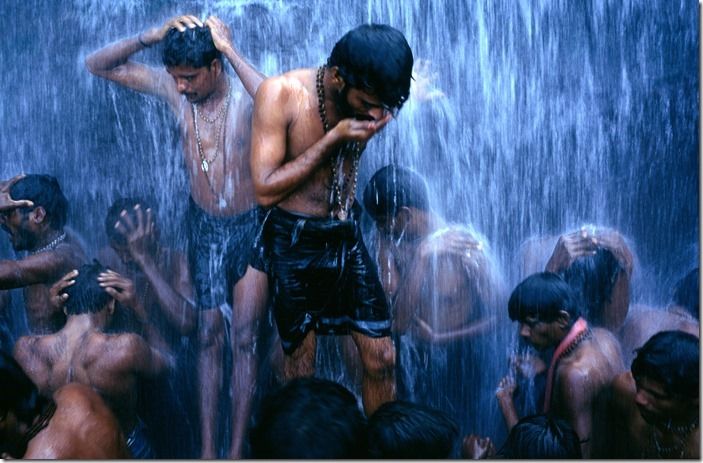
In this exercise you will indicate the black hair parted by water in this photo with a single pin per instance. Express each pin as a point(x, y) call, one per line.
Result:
point(193, 47)
point(541, 437)
point(393, 187)
point(309, 418)
point(86, 295)
point(377, 59)
point(593, 277)
point(543, 295)
point(44, 191)
point(403, 430)
point(670, 358)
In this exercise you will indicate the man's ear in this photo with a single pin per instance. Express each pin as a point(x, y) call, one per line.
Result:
point(403, 216)
point(37, 215)
point(216, 66)
point(111, 306)
point(564, 319)
point(337, 79)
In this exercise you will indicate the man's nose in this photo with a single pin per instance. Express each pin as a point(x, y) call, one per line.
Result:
point(181, 86)
point(524, 330)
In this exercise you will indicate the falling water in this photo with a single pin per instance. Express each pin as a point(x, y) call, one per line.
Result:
point(555, 114)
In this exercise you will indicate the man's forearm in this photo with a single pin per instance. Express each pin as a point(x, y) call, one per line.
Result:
point(287, 178)
point(250, 77)
point(113, 55)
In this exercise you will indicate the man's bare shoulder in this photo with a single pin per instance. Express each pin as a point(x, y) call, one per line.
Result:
point(285, 86)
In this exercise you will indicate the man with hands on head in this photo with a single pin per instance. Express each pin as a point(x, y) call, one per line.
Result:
point(82, 352)
point(213, 114)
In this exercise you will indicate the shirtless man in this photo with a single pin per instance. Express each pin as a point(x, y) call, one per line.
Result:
point(446, 294)
point(33, 213)
point(81, 352)
point(584, 361)
point(73, 424)
point(308, 131)
point(655, 406)
point(213, 114)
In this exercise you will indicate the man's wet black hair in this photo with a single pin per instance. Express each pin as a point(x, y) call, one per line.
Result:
point(542, 295)
point(377, 59)
point(113, 215)
point(44, 191)
point(309, 418)
point(402, 429)
point(393, 187)
point(592, 279)
point(687, 293)
point(192, 47)
point(671, 359)
point(86, 295)
point(541, 437)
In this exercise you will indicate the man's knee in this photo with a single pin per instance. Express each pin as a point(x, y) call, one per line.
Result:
point(378, 357)
point(211, 328)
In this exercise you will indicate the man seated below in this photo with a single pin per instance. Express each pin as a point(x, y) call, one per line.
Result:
point(309, 418)
point(681, 315)
point(33, 212)
point(446, 293)
point(81, 352)
point(597, 263)
point(73, 424)
point(405, 430)
point(655, 406)
point(580, 368)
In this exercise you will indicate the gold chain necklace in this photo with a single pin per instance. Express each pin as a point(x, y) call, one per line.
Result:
point(204, 162)
point(352, 148)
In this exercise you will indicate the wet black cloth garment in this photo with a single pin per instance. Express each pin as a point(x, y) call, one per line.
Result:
point(320, 276)
point(219, 249)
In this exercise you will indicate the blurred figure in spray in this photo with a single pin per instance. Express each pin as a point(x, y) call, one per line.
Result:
point(82, 352)
point(214, 114)
point(682, 314)
point(447, 298)
point(73, 423)
point(33, 212)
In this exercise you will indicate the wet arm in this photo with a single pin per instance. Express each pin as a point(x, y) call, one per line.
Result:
point(39, 268)
point(113, 63)
point(250, 77)
point(274, 179)
point(178, 309)
point(144, 359)
point(409, 293)
point(577, 401)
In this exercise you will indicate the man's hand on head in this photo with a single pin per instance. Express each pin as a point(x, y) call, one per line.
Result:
point(180, 23)
point(6, 201)
point(221, 34)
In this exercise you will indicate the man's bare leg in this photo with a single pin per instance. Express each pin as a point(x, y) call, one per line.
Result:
point(210, 356)
point(301, 363)
point(378, 358)
point(250, 295)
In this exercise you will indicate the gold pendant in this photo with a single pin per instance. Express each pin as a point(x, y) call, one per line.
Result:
point(204, 166)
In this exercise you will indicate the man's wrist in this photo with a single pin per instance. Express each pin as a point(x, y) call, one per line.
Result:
point(141, 41)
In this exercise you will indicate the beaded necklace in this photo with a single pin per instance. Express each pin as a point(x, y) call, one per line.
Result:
point(337, 200)
point(222, 114)
point(58, 240)
point(679, 432)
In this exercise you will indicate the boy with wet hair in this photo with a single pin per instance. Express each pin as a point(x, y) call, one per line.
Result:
point(655, 406)
point(582, 364)
point(192, 47)
point(541, 437)
point(33, 212)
